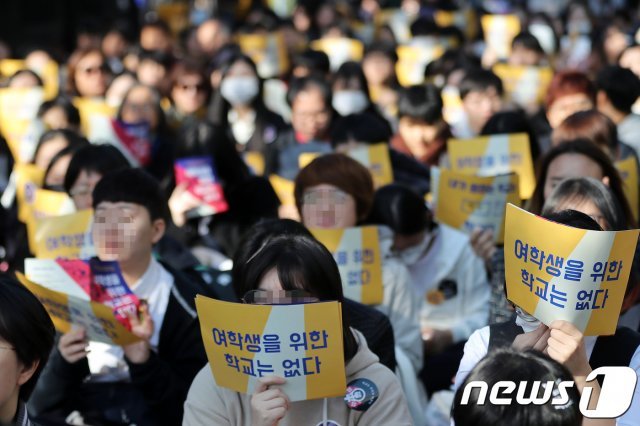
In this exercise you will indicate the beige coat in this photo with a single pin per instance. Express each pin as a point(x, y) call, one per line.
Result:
point(207, 404)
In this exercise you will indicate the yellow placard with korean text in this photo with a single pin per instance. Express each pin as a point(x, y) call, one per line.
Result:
point(358, 255)
point(499, 31)
point(468, 202)
point(284, 189)
point(28, 177)
point(339, 50)
point(268, 51)
point(18, 111)
point(43, 203)
point(374, 157)
point(412, 61)
point(300, 342)
point(93, 114)
point(67, 311)
point(48, 72)
point(629, 172)
point(556, 272)
point(495, 155)
point(66, 237)
point(524, 86)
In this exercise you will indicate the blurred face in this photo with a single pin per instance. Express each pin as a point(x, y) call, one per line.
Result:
point(91, 75)
point(24, 81)
point(151, 73)
point(83, 188)
point(152, 38)
point(417, 134)
point(310, 116)
point(631, 59)
point(480, 106)
point(377, 68)
point(13, 374)
point(566, 105)
point(49, 150)
point(210, 36)
point(55, 177)
point(587, 207)
point(614, 43)
point(189, 93)
point(521, 56)
point(124, 232)
point(328, 207)
point(139, 106)
point(114, 45)
point(55, 118)
point(568, 166)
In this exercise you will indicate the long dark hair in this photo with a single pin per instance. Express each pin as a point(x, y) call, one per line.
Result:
point(591, 151)
point(302, 263)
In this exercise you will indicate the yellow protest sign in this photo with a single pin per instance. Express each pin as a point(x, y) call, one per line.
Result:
point(452, 109)
point(18, 111)
point(268, 51)
point(495, 155)
point(302, 343)
point(255, 161)
point(524, 86)
point(175, 14)
point(556, 272)
point(499, 31)
point(339, 50)
point(629, 172)
point(67, 237)
point(67, 311)
point(28, 177)
point(49, 72)
point(95, 114)
point(357, 253)
point(468, 202)
point(284, 189)
point(412, 60)
point(43, 203)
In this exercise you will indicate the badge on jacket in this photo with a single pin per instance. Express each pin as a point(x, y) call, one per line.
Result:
point(447, 289)
point(361, 394)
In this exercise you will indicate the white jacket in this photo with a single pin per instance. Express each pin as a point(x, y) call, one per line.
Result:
point(449, 257)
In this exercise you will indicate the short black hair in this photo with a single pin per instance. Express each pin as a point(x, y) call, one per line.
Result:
point(528, 41)
point(518, 367)
point(421, 102)
point(479, 80)
point(316, 60)
point(298, 85)
point(100, 159)
point(26, 326)
point(364, 127)
point(574, 219)
point(132, 186)
point(70, 110)
point(621, 86)
point(516, 121)
point(400, 208)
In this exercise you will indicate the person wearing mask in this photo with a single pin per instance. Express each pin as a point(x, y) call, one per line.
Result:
point(449, 280)
point(238, 106)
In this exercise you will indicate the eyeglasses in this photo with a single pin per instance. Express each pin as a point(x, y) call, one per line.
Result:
point(143, 107)
point(278, 297)
point(333, 196)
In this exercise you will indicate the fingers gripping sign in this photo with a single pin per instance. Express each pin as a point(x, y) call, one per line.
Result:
point(269, 404)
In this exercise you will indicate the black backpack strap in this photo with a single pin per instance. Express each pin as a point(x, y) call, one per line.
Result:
point(616, 350)
point(502, 334)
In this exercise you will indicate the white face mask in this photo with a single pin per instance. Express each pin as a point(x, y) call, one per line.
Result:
point(239, 90)
point(527, 321)
point(348, 102)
